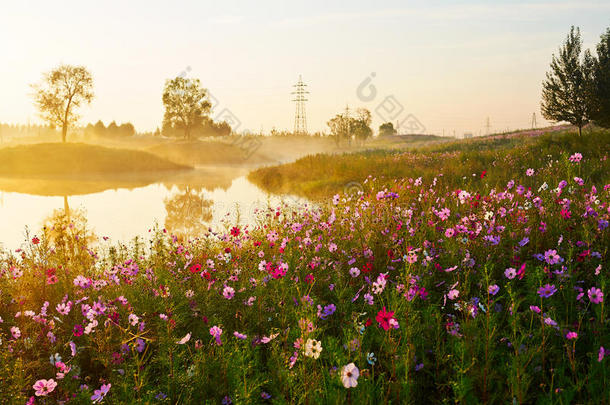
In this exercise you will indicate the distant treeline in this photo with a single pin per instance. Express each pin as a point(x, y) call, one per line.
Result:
point(111, 131)
point(206, 127)
point(12, 131)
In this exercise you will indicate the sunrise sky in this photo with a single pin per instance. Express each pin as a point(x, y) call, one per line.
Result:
point(451, 64)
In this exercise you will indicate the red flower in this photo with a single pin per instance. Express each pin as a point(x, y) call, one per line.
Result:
point(235, 231)
point(35, 240)
point(386, 319)
point(484, 173)
point(195, 268)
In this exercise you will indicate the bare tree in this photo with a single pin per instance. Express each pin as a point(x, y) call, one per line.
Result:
point(62, 91)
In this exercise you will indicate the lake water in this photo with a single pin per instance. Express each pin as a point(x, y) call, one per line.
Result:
point(121, 212)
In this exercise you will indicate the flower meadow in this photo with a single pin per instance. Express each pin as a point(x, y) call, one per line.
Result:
point(412, 290)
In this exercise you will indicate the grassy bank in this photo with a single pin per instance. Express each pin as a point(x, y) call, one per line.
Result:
point(322, 175)
point(78, 159)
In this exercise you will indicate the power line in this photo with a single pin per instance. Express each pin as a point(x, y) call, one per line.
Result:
point(300, 118)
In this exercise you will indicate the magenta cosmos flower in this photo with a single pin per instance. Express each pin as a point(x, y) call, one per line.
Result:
point(595, 295)
point(386, 319)
point(44, 387)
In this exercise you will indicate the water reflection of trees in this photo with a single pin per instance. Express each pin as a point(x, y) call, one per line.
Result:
point(68, 232)
point(188, 212)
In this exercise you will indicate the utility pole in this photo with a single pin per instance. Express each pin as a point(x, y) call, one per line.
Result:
point(300, 97)
point(534, 125)
point(487, 126)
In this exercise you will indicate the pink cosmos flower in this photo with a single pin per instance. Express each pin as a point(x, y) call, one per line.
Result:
point(453, 294)
point(601, 354)
point(571, 335)
point(44, 387)
point(576, 157)
point(16, 332)
point(228, 292)
point(510, 273)
point(595, 295)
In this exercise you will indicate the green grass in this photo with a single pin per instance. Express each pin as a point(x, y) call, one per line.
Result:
point(78, 159)
point(321, 175)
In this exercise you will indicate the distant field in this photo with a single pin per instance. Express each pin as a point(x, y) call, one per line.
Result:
point(75, 159)
point(494, 157)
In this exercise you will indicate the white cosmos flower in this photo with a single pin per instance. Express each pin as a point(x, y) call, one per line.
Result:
point(313, 348)
point(349, 375)
point(184, 339)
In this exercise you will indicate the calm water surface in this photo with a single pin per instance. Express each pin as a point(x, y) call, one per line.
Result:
point(124, 213)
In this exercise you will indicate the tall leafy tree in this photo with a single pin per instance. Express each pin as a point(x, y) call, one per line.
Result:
point(361, 125)
point(601, 86)
point(566, 90)
point(340, 128)
point(62, 91)
point(186, 104)
point(386, 129)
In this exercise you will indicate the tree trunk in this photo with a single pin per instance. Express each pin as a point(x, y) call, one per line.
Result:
point(579, 130)
point(64, 132)
point(66, 206)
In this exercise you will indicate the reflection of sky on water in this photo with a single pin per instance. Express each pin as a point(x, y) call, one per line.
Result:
point(123, 214)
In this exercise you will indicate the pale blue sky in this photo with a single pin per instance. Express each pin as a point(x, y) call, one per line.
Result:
point(449, 63)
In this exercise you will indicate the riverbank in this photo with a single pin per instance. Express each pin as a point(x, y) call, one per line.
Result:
point(458, 162)
point(45, 160)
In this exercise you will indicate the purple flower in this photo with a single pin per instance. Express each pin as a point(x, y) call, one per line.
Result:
point(140, 345)
point(547, 290)
point(216, 332)
point(98, 395)
point(493, 289)
point(239, 335)
point(327, 311)
point(552, 257)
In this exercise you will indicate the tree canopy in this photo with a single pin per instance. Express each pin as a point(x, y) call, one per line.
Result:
point(62, 91)
point(186, 104)
point(387, 129)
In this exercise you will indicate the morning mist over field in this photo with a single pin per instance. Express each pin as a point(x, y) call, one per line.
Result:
point(399, 202)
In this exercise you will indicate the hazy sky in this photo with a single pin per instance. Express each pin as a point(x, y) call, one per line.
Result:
point(449, 63)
